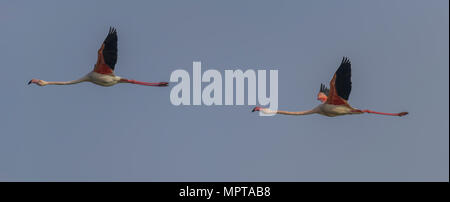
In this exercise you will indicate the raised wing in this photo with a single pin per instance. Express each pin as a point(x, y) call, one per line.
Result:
point(341, 84)
point(324, 89)
point(323, 93)
point(107, 54)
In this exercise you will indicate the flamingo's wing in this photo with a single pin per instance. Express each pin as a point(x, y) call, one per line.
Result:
point(107, 54)
point(324, 89)
point(323, 93)
point(341, 84)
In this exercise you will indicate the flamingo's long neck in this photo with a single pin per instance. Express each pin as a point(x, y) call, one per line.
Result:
point(268, 111)
point(388, 114)
point(143, 83)
point(66, 82)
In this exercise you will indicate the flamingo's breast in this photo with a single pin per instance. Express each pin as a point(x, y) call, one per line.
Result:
point(103, 79)
point(335, 110)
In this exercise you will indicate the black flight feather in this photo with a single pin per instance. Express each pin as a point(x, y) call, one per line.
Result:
point(110, 50)
point(324, 89)
point(343, 83)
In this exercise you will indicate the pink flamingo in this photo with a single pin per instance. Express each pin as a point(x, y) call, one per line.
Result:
point(103, 73)
point(334, 100)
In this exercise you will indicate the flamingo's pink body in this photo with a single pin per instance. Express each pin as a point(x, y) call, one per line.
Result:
point(334, 100)
point(103, 73)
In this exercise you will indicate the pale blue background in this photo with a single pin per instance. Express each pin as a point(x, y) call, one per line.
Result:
point(399, 51)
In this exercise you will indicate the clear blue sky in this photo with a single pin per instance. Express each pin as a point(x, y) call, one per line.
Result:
point(399, 52)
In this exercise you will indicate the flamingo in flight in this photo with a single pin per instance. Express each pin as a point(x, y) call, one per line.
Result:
point(334, 100)
point(103, 73)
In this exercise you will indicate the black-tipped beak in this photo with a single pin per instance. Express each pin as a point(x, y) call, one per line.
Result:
point(29, 82)
point(256, 109)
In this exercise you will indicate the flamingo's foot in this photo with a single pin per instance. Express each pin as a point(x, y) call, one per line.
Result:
point(163, 84)
point(402, 113)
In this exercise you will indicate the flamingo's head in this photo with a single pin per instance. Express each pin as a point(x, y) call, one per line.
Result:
point(322, 97)
point(256, 109)
point(37, 82)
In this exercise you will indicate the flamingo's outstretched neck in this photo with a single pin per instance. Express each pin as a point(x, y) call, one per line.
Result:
point(383, 113)
point(44, 83)
point(268, 111)
point(143, 83)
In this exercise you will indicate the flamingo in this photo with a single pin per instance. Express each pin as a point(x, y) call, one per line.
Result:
point(103, 73)
point(335, 99)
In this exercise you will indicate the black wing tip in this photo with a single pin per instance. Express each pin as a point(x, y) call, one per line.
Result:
point(343, 83)
point(345, 60)
point(112, 31)
point(110, 50)
point(324, 89)
point(345, 66)
point(112, 35)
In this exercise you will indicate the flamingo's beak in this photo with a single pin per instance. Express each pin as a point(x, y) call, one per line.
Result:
point(33, 81)
point(256, 109)
point(37, 82)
